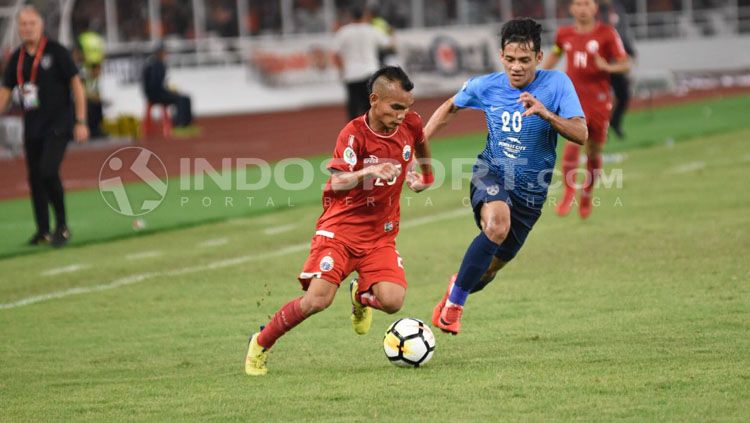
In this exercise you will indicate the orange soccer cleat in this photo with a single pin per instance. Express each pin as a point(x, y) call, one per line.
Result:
point(439, 307)
point(566, 203)
point(450, 319)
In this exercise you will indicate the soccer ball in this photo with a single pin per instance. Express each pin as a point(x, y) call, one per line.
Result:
point(409, 342)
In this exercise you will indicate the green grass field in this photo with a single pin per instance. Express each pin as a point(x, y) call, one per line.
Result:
point(641, 312)
point(92, 221)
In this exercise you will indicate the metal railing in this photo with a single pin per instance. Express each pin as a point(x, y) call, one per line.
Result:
point(212, 50)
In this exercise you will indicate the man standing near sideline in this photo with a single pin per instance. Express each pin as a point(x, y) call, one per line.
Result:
point(593, 51)
point(357, 46)
point(613, 13)
point(44, 72)
point(525, 109)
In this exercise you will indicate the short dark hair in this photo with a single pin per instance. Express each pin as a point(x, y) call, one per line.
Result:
point(393, 74)
point(357, 12)
point(523, 31)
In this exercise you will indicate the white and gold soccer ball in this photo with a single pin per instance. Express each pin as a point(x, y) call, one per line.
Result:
point(409, 342)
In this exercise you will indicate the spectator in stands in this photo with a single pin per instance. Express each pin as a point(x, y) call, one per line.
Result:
point(92, 47)
point(386, 55)
point(94, 103)
point(154, 86)
point(613, 13)
point(356, 45)
point(309, 17)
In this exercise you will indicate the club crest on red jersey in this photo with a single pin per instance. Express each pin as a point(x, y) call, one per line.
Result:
point(592, 46)
point(406, 153)
point(350, 157)
point(326, 263)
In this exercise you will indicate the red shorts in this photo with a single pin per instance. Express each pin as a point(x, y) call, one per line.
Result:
point(598, 124)
point(332, 261)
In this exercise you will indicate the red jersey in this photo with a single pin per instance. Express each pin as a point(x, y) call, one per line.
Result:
point(368, 215)
point(592, 84)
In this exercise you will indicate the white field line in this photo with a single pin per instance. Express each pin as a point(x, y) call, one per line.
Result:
point(213, 242)
point(687, 167)
point(279, 229)
point(66, 269)
point(143, 255)
point(140, 277)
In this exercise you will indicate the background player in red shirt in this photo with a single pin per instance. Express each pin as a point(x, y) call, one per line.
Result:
point(357, 230)
point(593, 51)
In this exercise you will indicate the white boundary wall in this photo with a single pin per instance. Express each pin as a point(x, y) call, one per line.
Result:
point(294, 74)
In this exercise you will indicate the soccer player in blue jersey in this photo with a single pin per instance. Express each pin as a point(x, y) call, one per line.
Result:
point(525, 109)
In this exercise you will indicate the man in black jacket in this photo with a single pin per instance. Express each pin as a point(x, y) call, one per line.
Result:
point(613, 13)
point(44, 72)
point(154, 75)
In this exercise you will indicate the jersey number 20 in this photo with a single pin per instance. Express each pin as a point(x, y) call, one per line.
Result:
point(379, 182)
point(515, 121)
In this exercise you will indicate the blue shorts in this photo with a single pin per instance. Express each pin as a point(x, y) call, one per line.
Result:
point(487, 186)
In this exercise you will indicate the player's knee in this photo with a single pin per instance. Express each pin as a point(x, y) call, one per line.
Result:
point(317, 303)
point(497, 230)
point(392, 304)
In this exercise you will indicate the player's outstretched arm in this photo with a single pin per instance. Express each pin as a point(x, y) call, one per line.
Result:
point(440, 118)
point(419, 182)
point(620, 66)
point(551, 60)
point(345, 181)
point(574, 129)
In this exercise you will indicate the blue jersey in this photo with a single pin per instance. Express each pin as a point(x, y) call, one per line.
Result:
point(521, 150)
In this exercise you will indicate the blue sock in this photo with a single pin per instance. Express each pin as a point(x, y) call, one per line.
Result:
point(476, 261)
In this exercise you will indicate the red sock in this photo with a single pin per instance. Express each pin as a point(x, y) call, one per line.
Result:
point(368, 299)
point(570, 165)
point(288, 316)
point(594, 168)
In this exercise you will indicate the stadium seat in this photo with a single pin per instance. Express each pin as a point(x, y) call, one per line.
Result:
point(166, 120)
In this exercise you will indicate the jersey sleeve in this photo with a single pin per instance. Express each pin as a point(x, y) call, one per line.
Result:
point(9, 76)
point(468, 95)
point(68, 68)
point(568, 104)
point(557, 46)
point(614, 49)
point(417, 128)
point(345, 157)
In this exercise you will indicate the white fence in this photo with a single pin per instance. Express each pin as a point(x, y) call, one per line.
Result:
point(296, 73)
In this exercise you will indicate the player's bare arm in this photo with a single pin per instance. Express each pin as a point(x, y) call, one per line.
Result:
point(419, 182)
point(440, 118)
point(620, 66)
point(344, 181)
point(551, 60)
point(81, 129)
point(573, 129)
point(4, 98)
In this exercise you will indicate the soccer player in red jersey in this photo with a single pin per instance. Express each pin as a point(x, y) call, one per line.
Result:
point(593, 51)
point(373, 158)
